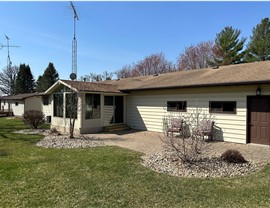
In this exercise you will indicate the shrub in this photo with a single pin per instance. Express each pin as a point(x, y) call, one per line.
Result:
point(34, 118)
point(188, 146)
point(55, 131)
point(233, 156)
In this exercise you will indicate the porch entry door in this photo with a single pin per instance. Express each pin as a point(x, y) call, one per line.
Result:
point(119, 109)
point(259, 120)
point(114, 106)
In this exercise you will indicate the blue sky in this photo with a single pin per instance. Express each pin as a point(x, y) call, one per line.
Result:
point(113, 34)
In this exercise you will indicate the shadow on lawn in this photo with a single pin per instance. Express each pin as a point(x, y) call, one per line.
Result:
point(32, 139)
point(3, 153)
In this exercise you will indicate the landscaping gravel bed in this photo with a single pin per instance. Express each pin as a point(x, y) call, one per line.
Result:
point(34, 131)
point(64, 142)
point(56, 140)
point(161, 161)
point(202, 168)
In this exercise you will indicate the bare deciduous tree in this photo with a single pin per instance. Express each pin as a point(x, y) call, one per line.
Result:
point(153, 64)
point(188, 146)
point(107, 75)
point(71, 108)
point(92, 77)
point(196, 57)
point(8, 79)
point(124, 72)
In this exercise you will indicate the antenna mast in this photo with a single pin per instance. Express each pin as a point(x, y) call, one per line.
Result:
point(7, 46)
point(73, 75)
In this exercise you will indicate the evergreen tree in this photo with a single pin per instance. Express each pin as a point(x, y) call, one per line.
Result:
point(49, 77)
point(258, 48)
point(228, 47)
point(25, 82)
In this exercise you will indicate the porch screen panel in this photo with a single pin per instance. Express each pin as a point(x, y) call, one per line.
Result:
point(71, 105)
point(92, 106)
point(58, 105)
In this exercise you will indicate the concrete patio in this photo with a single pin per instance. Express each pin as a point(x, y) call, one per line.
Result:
point(150, 142)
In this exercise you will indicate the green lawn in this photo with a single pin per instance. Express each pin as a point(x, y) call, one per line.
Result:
point(31, 176)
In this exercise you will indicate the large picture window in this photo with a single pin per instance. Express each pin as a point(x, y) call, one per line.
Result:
point(177, 106)
point(92, 103)
point(58, 105)
point(222, 107)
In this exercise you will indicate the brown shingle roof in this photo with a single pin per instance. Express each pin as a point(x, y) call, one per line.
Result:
point(22, 96)
point(250, 73)
point(92, 86)
point(239, 74)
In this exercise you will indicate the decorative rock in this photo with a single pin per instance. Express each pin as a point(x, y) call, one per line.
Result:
point(205, 167)
point(54, 140)
point(67, 143)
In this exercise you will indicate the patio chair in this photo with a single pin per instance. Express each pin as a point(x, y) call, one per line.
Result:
point(205, 128)
point(176, 126)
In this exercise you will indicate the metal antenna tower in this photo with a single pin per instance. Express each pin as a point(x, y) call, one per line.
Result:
point(7, 46)
point(73, 75)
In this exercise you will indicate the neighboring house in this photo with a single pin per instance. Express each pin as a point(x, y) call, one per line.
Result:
point(237, 96)
point(18, 104)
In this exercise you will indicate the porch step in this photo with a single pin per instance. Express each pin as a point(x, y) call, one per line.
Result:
point(116, 127)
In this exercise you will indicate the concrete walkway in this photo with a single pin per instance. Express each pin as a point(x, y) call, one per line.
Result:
point(150, 142)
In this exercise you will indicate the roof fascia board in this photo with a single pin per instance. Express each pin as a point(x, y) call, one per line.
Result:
point(50, 90)
point(104, 93)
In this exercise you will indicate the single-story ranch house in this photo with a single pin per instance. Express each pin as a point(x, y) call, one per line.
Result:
point(18, 104)
point(237, 96)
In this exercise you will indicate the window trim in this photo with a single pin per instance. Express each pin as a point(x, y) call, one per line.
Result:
point(222, 110)
point(183, 103)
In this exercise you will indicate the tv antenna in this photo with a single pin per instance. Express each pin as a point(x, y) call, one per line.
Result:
point(73, 75)
point(7, 46)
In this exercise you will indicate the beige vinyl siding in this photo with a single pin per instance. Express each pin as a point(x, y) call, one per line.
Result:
point(36, 103)
point(4, 105)
point(108, 114)
point(146, 109)
point(11, 105)
point(17, 110)
point(47, 109)
point(33, 103)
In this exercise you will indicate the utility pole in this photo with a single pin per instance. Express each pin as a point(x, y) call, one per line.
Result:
point(8, 56)
point(73, 75)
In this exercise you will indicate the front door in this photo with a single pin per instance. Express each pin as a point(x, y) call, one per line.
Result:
point(113, 110)
point(259, 119)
